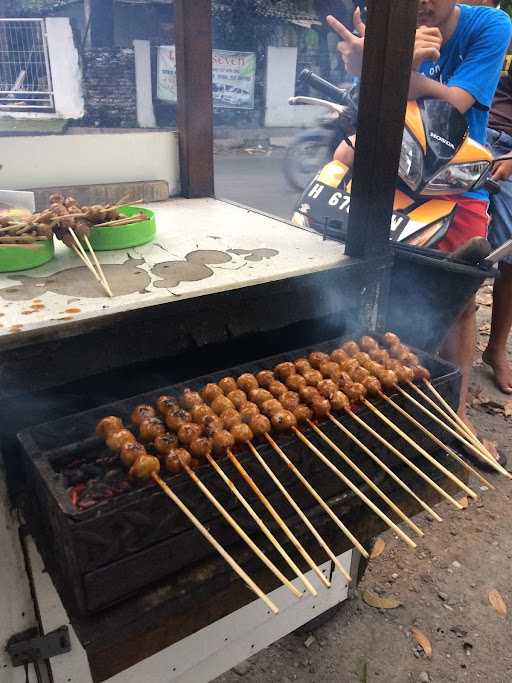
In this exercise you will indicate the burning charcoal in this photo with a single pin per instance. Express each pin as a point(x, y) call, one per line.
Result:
point(75, 492)
point(86, 503)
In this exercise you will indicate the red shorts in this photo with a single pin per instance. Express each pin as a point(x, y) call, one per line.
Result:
point(471, 220)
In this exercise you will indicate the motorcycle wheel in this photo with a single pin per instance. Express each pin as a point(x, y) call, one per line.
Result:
point(305, 156)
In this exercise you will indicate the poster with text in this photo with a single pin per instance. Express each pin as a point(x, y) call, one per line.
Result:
point(234, 75)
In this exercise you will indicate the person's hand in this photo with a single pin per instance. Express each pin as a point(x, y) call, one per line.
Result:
point(427, 46)
point(502, 170)
point(351, 47)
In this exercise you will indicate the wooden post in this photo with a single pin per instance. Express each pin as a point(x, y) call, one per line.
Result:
point(389, 43)
point(194, 108)
point(102, 23)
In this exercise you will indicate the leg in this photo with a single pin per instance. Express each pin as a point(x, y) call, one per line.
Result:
point(495, 354)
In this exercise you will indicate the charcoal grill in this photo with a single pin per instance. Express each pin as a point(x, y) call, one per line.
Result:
point(124, 543)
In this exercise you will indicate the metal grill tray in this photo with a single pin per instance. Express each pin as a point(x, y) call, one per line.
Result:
point(105, 553)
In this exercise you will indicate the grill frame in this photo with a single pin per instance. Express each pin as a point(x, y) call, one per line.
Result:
point(95, 567)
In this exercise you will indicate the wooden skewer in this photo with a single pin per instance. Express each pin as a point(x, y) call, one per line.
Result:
point(119, 221)
point(248, 479)
point(233, 523)
point(405, 459)
point(386, 469)
point(439, 443)
point(86, 259)
point(457, 422)
point(354, 488)
point(299, 512)
point(204, 531)
point(366, 479)
point(318, 498)
point(98, 266)
point(229, 483)
point(418, 448)
point(455, 434)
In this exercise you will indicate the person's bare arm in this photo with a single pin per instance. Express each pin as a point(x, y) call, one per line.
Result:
point(421, 86)
point(502, 170)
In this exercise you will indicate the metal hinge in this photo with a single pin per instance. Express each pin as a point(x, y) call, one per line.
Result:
point(29, 646)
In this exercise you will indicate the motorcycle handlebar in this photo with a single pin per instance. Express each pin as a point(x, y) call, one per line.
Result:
point(492, 186)
point(328, 89)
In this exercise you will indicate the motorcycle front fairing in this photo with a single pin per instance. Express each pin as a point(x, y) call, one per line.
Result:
point(325, 207)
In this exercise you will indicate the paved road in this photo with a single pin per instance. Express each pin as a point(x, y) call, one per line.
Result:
point(256, 181)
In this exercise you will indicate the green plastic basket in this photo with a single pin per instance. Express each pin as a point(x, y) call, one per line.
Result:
point(110, 238)
point(14, 257)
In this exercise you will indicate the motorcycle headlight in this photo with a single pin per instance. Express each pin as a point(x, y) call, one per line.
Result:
point(457, 178)
point(411, 161)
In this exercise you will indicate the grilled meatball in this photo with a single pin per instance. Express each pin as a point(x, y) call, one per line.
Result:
point(200, 412)
point(174, 459)
point(221, 404)
point(327, 388)
point(379, 355)
point(265, 378)
point(165, 443)
point(284, 370)
point(393, 364)
point(316, 358)
point(390, 339)
point(302, 365)
point(238, 398)
point(360, 374)
point(339, 401)
point(242, 433)
point(248, 412)
point(295, 382)
point(210, 392)
point(150, 428)
point(247, 382)
point(130, 451)
point(189, 399)
point(142, 412)
point(397, 350)
point(200, 447)
point(309, 393)
point(270, 407)
point(356, 392)
point(230, 418)
point(212, 424)
point(349, 366)
point(388, 379)
point(367, 343)
point(277, 388)
point(228, 384)
point(283, 421)
point(221, 442)
point(344, 380)
point(144, 467)
point(188, 432)
point(163, 403)
point(109, 424)
point(260, 424)
point(290, 400)
point(313, 377)
point(302, 413)
point(320, 407)
point(362, 358)
point(259, 396)
point(411, 360)
point(404, 374)
point(372, 386)
point(175, 420)
point(330, 370)
point(338, 356)
point(351, 348)
point(421, 374)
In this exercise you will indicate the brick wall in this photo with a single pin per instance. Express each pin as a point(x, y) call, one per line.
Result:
point(109, 87)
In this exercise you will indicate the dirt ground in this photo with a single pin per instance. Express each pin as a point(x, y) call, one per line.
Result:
point(443, 586)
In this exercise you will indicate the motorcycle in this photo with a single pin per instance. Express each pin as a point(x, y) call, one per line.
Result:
point(438, 160)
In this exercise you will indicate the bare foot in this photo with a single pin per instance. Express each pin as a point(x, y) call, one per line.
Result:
point(490, 446)
point(502, 370)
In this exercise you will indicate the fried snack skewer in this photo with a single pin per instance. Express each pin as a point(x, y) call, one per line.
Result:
point(224, 554)
point(468, 444)
point(299, 512)
point(439, 443)
point(366, 479)
point(386, 469)
point(314, 493)
point(354, 488)
point(231, 520)
point(247, 478)
point(263, 527)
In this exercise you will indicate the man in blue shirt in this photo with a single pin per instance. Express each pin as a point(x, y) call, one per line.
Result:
point(458, 56)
